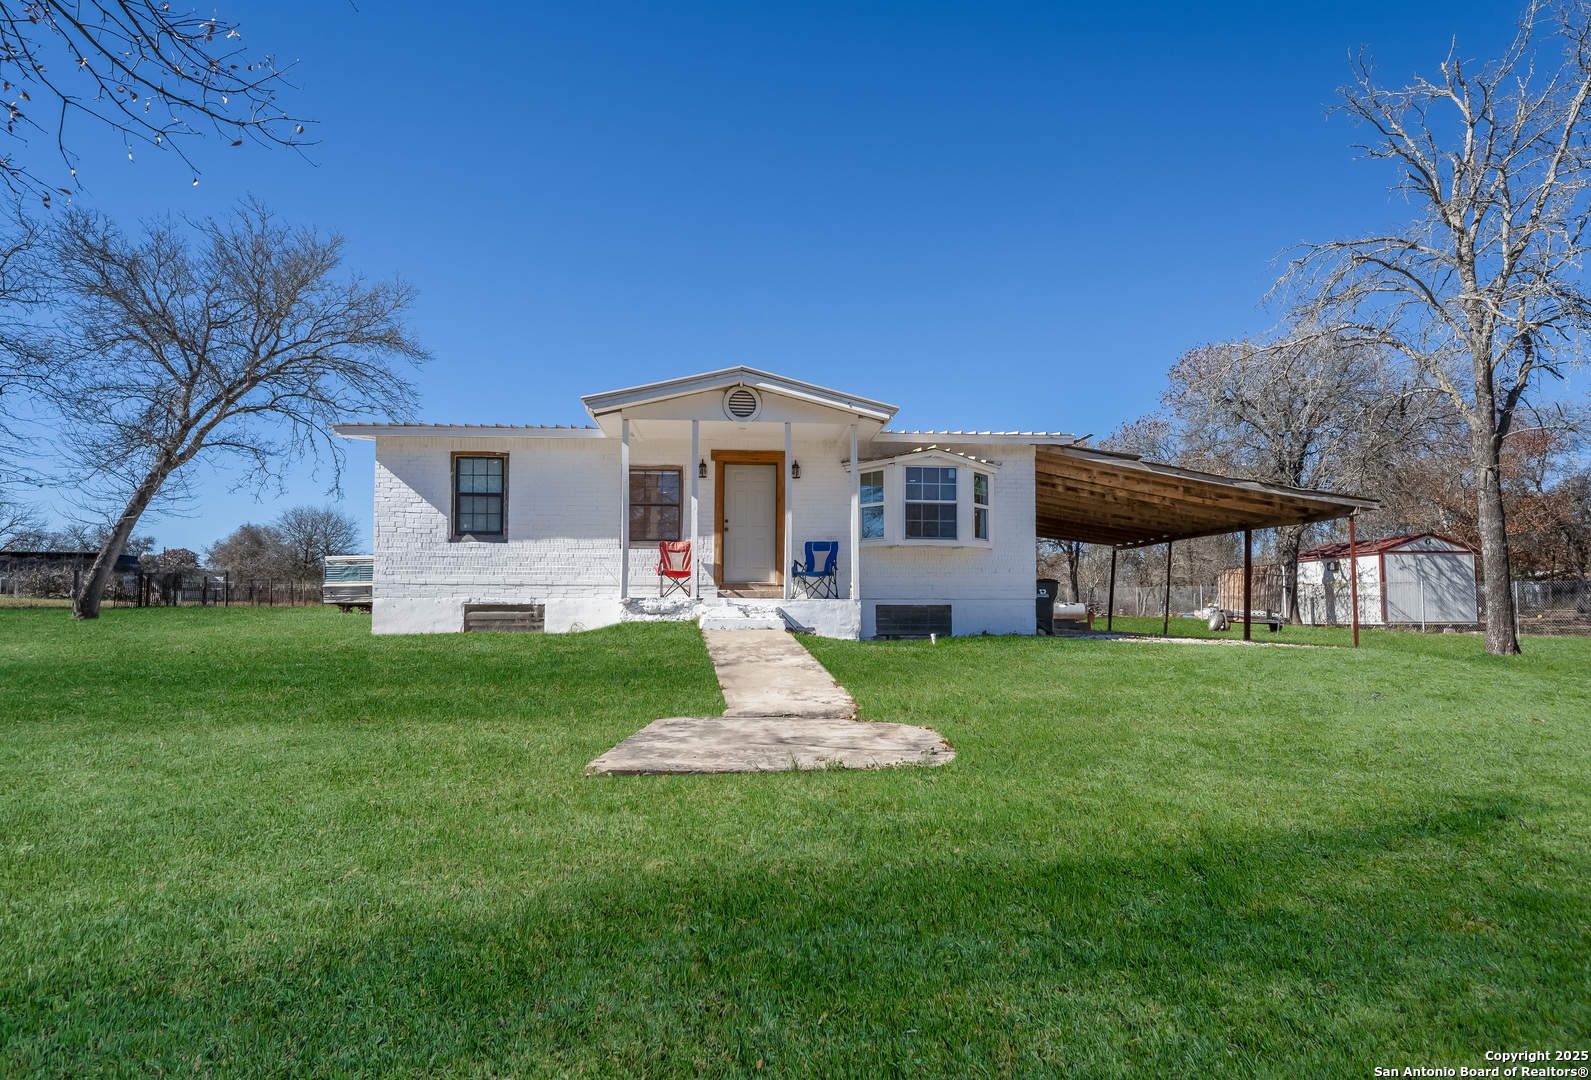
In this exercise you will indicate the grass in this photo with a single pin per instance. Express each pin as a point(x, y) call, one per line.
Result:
point(265, 843)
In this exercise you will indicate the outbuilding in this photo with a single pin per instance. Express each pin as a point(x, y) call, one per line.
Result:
point(1416, 579)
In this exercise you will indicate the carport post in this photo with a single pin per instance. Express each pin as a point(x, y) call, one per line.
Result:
point(789, 514)
point(1353, 578)
point(1248, 584)
point(1165, 628)
point(1110, 595)
point(855, 557)
point(624, 509)
point(696, 513)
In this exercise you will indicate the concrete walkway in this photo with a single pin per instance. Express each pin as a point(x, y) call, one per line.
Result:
point(745, 744)
point(768, 673)
point(785, 711)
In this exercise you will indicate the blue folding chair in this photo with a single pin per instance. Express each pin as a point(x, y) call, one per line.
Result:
point(818, 578)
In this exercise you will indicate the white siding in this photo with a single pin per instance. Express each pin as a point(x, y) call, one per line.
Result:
point(1419, 587)
point(1324, 596)
point(1431, 587)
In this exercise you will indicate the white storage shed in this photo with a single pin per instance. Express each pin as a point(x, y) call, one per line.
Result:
point(1413, 580)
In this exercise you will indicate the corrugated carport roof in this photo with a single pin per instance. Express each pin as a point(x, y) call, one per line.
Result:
point(1102, 497)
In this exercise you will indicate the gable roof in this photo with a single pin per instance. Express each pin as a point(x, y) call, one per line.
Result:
point(938, 453)
point(1378, 547)
point(614, 400)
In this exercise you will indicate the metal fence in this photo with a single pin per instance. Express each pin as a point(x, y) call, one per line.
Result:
point(1144, 600)
point(55, 587)
point(1553, 607)
point(194, 589)
point(1542, 607)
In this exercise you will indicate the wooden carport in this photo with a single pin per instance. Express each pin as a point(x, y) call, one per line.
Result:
point(1103, 497)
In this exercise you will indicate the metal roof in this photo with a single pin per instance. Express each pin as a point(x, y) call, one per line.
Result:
point(470, 431)
point(613, 400)
point(1104, 497)
point(1378, 547)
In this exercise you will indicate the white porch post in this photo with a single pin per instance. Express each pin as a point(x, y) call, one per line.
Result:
point(624, 509)
point(789, 515)
point(856, 520)
point(696, 517)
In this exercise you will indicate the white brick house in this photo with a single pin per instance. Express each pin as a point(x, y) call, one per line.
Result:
point(558, 527)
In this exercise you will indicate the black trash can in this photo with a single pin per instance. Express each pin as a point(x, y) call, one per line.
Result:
point(1044, 601)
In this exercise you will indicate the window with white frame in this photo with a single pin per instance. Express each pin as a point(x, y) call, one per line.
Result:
point(930, 499)
point(873, 505)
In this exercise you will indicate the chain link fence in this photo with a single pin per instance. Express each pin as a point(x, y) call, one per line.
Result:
point(1553, 607)
point(1542, 607)
point(1145, 600)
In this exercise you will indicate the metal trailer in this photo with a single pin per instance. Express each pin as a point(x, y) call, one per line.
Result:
point(348, 582)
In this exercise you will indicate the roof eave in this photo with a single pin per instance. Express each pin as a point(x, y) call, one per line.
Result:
point(615, 400)
point(1132, 461)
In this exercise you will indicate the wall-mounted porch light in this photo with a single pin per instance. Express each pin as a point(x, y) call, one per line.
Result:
point(701, 468)
point(795, 470)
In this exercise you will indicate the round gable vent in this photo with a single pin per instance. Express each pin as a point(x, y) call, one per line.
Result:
point(742, 403)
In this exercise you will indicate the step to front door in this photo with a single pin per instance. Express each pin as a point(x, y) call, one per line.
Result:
point(751, 592)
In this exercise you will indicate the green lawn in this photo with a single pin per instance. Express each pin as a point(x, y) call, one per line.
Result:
point(264, 843)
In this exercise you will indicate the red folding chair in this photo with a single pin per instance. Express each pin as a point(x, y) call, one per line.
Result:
point(673, 567)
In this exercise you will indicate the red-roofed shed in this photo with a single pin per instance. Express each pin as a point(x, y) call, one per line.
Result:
point(1413, 579)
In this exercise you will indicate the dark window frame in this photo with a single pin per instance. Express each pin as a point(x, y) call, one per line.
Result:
point(453, 481)
point(679, 505)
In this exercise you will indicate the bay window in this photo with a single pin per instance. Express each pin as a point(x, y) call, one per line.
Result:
point(932, 497)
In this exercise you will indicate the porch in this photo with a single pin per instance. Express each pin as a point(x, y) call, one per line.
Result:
point(748, 469)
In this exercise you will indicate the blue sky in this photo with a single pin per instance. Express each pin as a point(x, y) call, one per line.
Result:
point(991, 214)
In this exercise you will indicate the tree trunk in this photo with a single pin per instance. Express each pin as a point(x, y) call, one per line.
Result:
point(85, 605)
point(1502, 630)
point(1288, 543)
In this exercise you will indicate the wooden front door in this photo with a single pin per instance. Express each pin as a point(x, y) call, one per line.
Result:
point(751, 524)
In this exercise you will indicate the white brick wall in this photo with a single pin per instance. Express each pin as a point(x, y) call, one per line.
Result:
point(990, 589)
point(563, 526)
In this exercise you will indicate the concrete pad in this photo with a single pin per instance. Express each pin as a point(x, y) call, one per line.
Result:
point(767, 673)
point(768, 744)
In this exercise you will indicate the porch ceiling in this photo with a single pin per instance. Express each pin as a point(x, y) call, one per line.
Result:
point(1099, 497)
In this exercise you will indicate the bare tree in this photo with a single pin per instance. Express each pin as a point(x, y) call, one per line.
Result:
point(20, 294)
point(1482, 291)
point(149, 74)
point(310, 533)
point(1311, 411)
point(251, 553)
point(19, 523)
point(246, 344)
